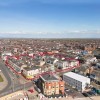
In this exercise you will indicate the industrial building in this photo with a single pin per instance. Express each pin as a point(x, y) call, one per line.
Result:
point(77, 81)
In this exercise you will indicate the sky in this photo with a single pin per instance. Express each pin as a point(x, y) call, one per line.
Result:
point(50, 18)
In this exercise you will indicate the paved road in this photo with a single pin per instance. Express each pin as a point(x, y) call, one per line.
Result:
point(17, 88)
point(6, 74)
point(13, 85)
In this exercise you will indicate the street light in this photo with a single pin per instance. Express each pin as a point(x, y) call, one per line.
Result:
point(12, 79)
point(24, 85)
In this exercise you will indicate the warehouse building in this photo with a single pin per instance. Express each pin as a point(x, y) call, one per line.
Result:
point(77, 81)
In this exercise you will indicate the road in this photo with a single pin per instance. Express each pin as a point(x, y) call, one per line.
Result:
point(17, 88)
point(73, 92)
point(13, 82)
point(6, 74)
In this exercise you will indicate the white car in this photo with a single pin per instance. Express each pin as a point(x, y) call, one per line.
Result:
point(67, 89)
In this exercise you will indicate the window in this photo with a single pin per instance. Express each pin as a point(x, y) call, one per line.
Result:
point(49, 87)
point(61, 85)
point(53, 92)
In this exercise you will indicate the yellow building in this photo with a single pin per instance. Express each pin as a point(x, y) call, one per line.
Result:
point(31, 72)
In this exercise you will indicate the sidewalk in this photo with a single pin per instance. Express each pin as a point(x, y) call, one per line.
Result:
point(14, 96)
point(70, 98)
point(4, 83)
point(22, 80)
point(87, 98)
point(32, 95)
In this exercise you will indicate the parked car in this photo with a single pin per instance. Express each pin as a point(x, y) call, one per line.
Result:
point(85, 94)
point(31, 90)
point(94, 92)
point(67, 89)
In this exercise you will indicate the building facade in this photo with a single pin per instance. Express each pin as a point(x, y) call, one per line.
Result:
point(76, 81)
point(51, 85)
point(30, 73)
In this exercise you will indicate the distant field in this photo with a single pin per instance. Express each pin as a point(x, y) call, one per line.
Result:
point(1, 79)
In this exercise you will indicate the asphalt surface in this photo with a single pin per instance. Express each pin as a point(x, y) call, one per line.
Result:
point(72, 92)
point(6, 74)
point(17, 88)
point(13, 82)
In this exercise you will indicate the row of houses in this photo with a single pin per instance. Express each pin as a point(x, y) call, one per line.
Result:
point(31, 67)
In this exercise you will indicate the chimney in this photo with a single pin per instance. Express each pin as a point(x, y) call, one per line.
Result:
point(50, 74)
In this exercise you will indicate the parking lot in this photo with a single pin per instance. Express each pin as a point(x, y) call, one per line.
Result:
point(72, 92)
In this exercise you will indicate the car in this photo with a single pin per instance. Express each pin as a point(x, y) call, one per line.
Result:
point(37, 89)
point(31, 90)
point(98, 82)
point(67, 89)
point(85, 94)
point(90, 93)
point(99, 66)
point(94, 92)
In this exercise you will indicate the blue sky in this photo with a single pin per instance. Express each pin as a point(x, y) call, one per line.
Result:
point(50, 18)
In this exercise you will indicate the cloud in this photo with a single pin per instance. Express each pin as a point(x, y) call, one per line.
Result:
point(63, 32)
point(82, 31)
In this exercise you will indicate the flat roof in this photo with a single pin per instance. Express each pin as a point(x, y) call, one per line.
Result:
point(31, 68)
point(48, 77)
point(76, 76)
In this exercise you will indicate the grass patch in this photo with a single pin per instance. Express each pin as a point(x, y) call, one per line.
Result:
point(1, 79)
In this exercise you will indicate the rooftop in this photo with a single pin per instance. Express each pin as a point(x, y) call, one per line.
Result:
point(31, 68)
point(77, 76)
point(48, 77)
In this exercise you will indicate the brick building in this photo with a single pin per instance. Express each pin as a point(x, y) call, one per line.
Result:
point(51, 85)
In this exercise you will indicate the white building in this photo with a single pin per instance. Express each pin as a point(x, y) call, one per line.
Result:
point(62, 64)
point(5, 54)
point(31, 72)
point(77, 81)
point(91, 60)
point(67, 64)
point(74, 63)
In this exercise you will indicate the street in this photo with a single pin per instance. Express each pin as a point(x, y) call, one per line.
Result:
point(6, 74)
point(13, 82)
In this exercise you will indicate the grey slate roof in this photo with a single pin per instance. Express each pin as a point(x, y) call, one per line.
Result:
point(31, 68)
point(48, 77)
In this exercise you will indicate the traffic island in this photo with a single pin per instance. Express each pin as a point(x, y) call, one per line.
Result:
point(1, 79)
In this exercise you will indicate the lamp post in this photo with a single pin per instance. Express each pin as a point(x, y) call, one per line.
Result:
point(24, 86)
point(12, 84)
